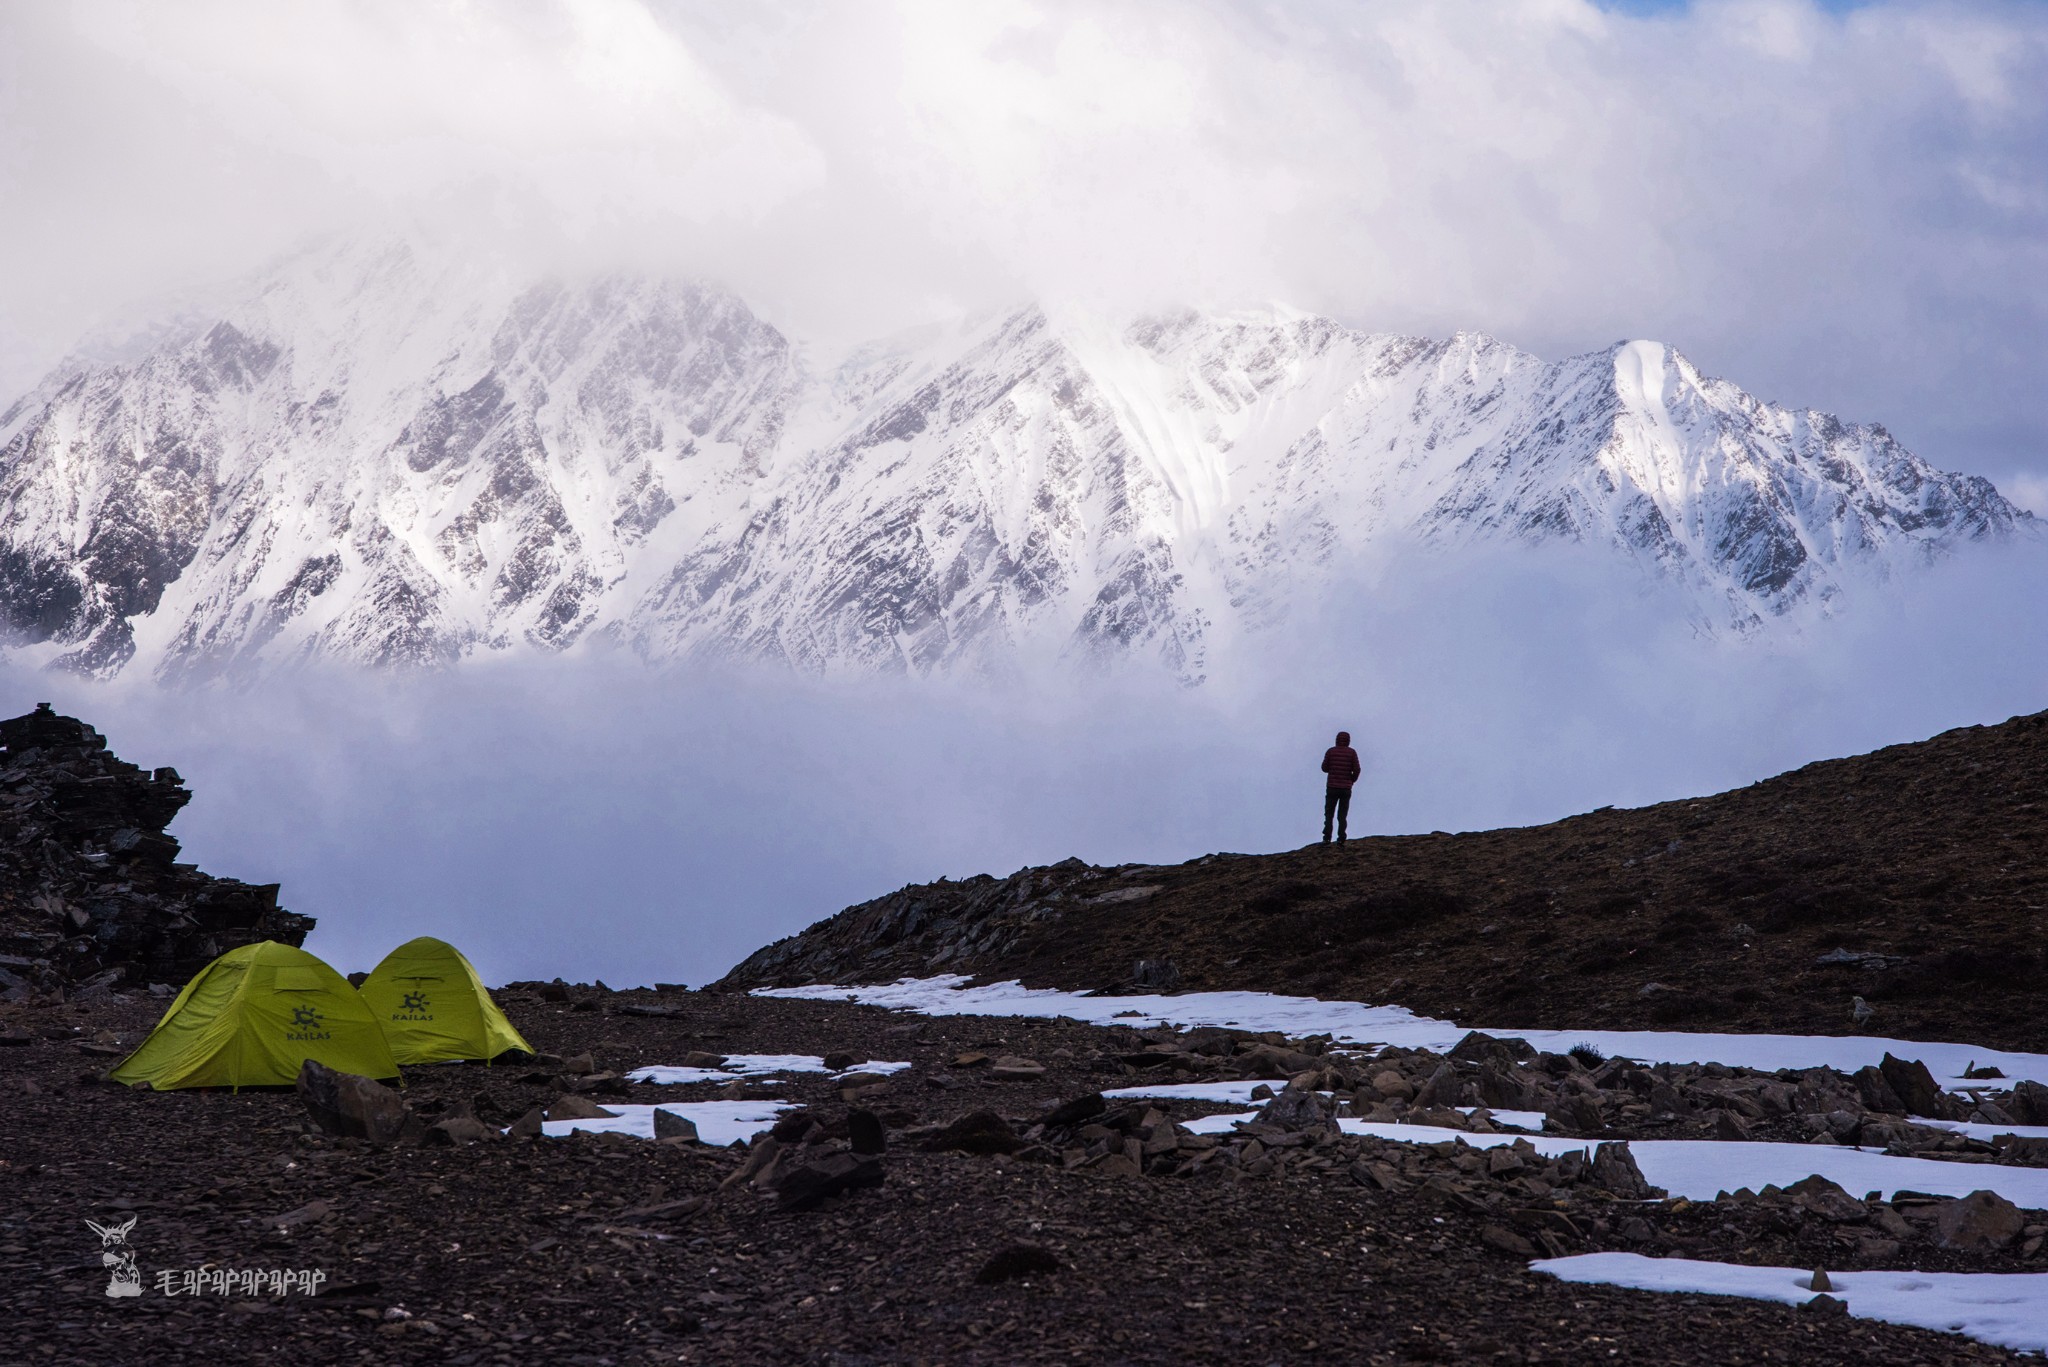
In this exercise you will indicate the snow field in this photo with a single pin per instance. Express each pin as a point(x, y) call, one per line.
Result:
point(2009, 1309)
point(717, 1122)
point(1357, 1025)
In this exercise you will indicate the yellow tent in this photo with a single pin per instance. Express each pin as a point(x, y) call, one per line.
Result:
point(433, 1007)
point(252, 1017)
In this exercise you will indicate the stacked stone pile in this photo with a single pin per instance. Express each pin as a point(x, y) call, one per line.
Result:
point(91, 893)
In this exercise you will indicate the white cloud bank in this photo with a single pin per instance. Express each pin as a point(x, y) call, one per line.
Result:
point(593, 818)
point(1841, 208)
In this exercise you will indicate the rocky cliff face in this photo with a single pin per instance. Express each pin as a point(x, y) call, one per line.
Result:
point(385, 456)
point(90, 890)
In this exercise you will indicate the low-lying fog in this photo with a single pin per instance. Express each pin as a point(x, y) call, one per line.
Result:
point(594, 818)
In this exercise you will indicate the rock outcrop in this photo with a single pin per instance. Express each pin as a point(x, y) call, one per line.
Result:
point(91, 893)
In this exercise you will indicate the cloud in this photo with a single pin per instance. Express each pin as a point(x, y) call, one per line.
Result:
point(1837, 206)
point(591, 818)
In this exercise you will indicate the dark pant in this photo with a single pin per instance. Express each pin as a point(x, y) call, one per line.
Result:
point(1336, 802)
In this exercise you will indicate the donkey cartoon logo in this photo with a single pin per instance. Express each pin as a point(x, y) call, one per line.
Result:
point(124, 1278)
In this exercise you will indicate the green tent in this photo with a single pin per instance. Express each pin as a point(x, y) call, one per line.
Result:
point(252, 1017)
point(434, 1008)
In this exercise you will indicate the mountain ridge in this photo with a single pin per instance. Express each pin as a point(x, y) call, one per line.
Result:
point(394, 459)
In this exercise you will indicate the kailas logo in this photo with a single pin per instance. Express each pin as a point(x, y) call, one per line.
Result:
point(124, 1278)
point(305, 1024)
point(414, 1006)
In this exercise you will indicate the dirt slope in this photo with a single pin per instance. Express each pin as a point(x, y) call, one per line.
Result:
point(1918, 869)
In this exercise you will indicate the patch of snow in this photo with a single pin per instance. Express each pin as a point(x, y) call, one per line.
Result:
point(737, 1066)
point(1512, 1120)
point(2009, 1309)
point(1359, 1024)
point(1239, 1092)
point(717, 1122)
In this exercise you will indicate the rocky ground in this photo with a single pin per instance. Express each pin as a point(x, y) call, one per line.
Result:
point(1913, 877)
point(91, 891)
point(1010, 1219)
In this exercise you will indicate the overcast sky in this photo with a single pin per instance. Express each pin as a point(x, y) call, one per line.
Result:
point(1839, 205)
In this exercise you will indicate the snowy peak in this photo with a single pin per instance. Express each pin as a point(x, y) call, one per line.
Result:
point(393, 456)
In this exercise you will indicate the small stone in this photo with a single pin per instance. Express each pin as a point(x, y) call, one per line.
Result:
point(1392, 1086)
point(1730, 1127)
point(311, 1213)
point(697, 1058)
point(970, 1059)
point(841, 1060)
point(528, 1126)
point(458, 1130)
point(1507, 1241)
point(1826, 1305)
point(579, 1066)
point(1013, 1262)
point(1010, 1068)
point(1818, 1282)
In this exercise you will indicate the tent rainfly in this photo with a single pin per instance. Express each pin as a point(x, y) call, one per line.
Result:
point(252, 1017)
point(434, 1009)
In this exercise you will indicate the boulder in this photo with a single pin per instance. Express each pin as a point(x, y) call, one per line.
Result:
point(458, 1130)
point(2029, 1103)
point(841, 1060)
point(669, 1125)
point(1300, 1109)
point(1392, 1086)
point(1478, 1047)
point(1876, 1092)
point(865, 1132)
point(1614, 1169)
point(1827, 1200)
point(805, 1186)
point(1074, 1112)
point(977, 1132)
point(570, 1106)
point(1982, 1220)
point(345, 1104)
point(1155, 975)
point(1914, 1086)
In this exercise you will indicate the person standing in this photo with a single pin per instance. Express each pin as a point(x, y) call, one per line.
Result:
point(1340, 762)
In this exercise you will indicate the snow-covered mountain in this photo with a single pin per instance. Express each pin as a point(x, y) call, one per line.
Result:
point(391, 456)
